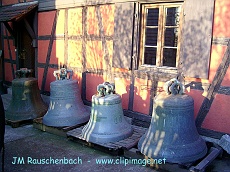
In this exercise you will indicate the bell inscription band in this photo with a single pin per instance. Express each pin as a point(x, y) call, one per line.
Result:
point(66, 107)
point(107, 122)
point(172, 133)
point(26, 102)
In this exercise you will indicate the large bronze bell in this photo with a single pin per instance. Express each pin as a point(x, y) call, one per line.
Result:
point(107, 122)
point(66, 107)
point(172, 133)
point(26, 102)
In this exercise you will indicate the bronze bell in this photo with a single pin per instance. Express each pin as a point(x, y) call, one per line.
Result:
point(66, 107)
point(26, 102)
point(172, 133)
point(107, 122)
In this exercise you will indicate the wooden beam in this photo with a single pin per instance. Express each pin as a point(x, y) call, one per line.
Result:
point(11, 31)
point(108, 66)
point(49, 51)
point(58, 4)
point(11, 59)
point(214, 88)
point(29, 29)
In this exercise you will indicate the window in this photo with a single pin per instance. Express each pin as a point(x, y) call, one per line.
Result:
point(160, 35)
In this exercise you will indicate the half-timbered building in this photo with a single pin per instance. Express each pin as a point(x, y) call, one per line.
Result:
point(137, 44)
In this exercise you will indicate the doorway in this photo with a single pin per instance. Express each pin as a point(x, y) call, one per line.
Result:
point(26, 51)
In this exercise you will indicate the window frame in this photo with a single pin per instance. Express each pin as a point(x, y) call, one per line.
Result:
point(160, 38)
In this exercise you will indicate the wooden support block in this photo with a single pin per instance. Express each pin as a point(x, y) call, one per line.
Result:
point(60, 131)
point(114, 148)
point(214, 152)
point(15, 124)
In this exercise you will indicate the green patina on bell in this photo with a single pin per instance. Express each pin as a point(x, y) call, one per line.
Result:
point(66, 107)
point(172, 133)
point(26, 102)
point(107, 122)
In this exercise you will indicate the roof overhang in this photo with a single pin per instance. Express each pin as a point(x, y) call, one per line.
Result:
point(17, 11)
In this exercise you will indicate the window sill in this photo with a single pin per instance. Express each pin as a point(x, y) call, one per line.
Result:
point(154, 72)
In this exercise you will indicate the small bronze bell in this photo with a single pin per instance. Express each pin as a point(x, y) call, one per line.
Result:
point(66, 107)
point(172, 133)
point(107, 122)
point(26, 102)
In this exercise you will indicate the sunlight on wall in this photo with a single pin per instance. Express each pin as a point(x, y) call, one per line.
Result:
point(58, 52)
point(107, 14)
point(75, 21)
point(94, 55)
point(60, 23)
point(216, 57)
point(74, 53)
point(122, 88)
point(141, 96)
point(92, 21)
point(221, 19)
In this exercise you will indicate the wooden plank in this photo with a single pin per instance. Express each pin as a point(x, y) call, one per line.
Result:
point(84, 73)
point(56, 4)
point(66, 42)
point(213, 89)
point(61, 131)
point(10, 30)
point(35, 42)
point(29, 29)
point(220, 41)
point(135, 154)
point(196, 38)
point(15, 124)
point(120, 146)
point(214, 152)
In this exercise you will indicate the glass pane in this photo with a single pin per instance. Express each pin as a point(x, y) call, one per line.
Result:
point(172, 16)
point(150, 56)
point(169, 57)
point(171, 37)
point(151, 36)
point(152, 16)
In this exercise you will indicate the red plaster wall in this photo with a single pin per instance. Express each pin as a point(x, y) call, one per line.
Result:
point(42, 50)
point(12, 50)
point(218, 116)
point(220, 29)
point(221, 18)
point(122, 87)
point(8, 2)
point(45, 22)
point(217, 55)
point(50, 78)
point(92, 81)
point(78, 77)
point(8, 72)
point(92, 22)
point(141, 96)
point(198, 99)
point(40, 75)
